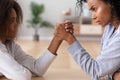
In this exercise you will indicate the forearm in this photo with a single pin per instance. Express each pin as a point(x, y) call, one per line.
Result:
point(54, 45)
point(46, 59)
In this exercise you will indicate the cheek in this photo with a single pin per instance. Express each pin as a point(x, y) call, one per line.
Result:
point(100, 13)
point(104, 15)
point(13, 29)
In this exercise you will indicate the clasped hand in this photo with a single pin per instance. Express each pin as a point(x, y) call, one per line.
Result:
point(64, 30)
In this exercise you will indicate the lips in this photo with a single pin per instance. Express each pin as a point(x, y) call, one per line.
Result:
point(98, 22)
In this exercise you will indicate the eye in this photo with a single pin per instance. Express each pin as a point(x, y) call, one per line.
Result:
point(93, 9)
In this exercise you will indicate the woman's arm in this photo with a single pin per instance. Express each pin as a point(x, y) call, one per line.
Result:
point(65, 34)
point(40, 65)
point(12, 69)
point(54, 45)
point(106, 63)
point(57, 39)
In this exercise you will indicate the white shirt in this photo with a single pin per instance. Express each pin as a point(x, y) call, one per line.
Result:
point(15, 64)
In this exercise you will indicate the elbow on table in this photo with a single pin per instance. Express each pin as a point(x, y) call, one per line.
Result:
point(26, 75)
point(40, 74)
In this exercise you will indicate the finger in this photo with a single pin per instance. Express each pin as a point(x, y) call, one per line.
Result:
point(68, 22)
point(68, 26)
point(60, 24)
point(70, 30)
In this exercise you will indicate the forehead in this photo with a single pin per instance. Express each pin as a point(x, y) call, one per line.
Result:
point(90, 2)
point(96, 3)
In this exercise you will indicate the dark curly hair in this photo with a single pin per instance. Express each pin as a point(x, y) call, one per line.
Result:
point(115, 7)
point(6, 7)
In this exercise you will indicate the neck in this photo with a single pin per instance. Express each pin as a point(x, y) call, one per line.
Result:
point(115, 23)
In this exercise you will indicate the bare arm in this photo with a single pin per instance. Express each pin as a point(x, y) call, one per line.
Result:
point(39, 66)
point(54, 45)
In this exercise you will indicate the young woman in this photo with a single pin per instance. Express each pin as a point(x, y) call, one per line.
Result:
point(107, 14)
point(15, 64)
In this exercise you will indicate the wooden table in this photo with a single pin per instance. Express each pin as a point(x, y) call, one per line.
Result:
point(63, 67)
point(61, 74)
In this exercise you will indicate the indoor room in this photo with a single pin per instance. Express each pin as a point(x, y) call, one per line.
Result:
point(34, 37)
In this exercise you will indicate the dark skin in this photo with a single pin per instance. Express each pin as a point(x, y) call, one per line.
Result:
point(63, 34)
point(14, 26)
point(117, 76)
point(101, 13)
point(56, 41)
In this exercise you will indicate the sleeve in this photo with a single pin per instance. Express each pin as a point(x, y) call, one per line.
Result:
point(11, 69)
point(107, 62)
point(36, 66)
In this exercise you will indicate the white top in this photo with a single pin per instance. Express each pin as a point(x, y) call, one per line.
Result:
point(15, 64)
point(108, 60)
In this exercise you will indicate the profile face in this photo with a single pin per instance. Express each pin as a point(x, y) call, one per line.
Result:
point(101, 11)
point(13, 25)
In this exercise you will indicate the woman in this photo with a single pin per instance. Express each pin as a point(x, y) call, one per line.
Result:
point(107, 14)
point(15, 64)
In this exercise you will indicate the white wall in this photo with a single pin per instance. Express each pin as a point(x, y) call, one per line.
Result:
point(53, 14)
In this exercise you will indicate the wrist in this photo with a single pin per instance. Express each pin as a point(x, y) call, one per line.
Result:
point(71, 39)
point(54, 45)
point(57, 38)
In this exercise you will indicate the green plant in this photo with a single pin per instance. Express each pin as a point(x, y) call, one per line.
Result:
point(36, 20)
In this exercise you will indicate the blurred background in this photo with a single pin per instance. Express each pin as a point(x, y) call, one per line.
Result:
point(56, 11)
point(36, 32)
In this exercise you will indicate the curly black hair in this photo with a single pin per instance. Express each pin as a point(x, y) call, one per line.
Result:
point(80, 4)
point(115, 7)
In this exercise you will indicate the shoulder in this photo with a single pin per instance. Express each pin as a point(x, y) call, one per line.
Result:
point(12, 45)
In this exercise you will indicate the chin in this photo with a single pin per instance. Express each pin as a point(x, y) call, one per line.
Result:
point(103, 25)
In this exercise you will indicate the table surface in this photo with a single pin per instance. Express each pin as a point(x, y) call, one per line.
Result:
point(61, 74)
point(63, 67)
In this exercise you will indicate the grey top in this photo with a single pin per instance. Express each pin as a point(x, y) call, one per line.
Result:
point(107, 62)
point(15, 64)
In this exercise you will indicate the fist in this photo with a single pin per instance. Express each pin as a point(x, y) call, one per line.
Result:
point(64, 29)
